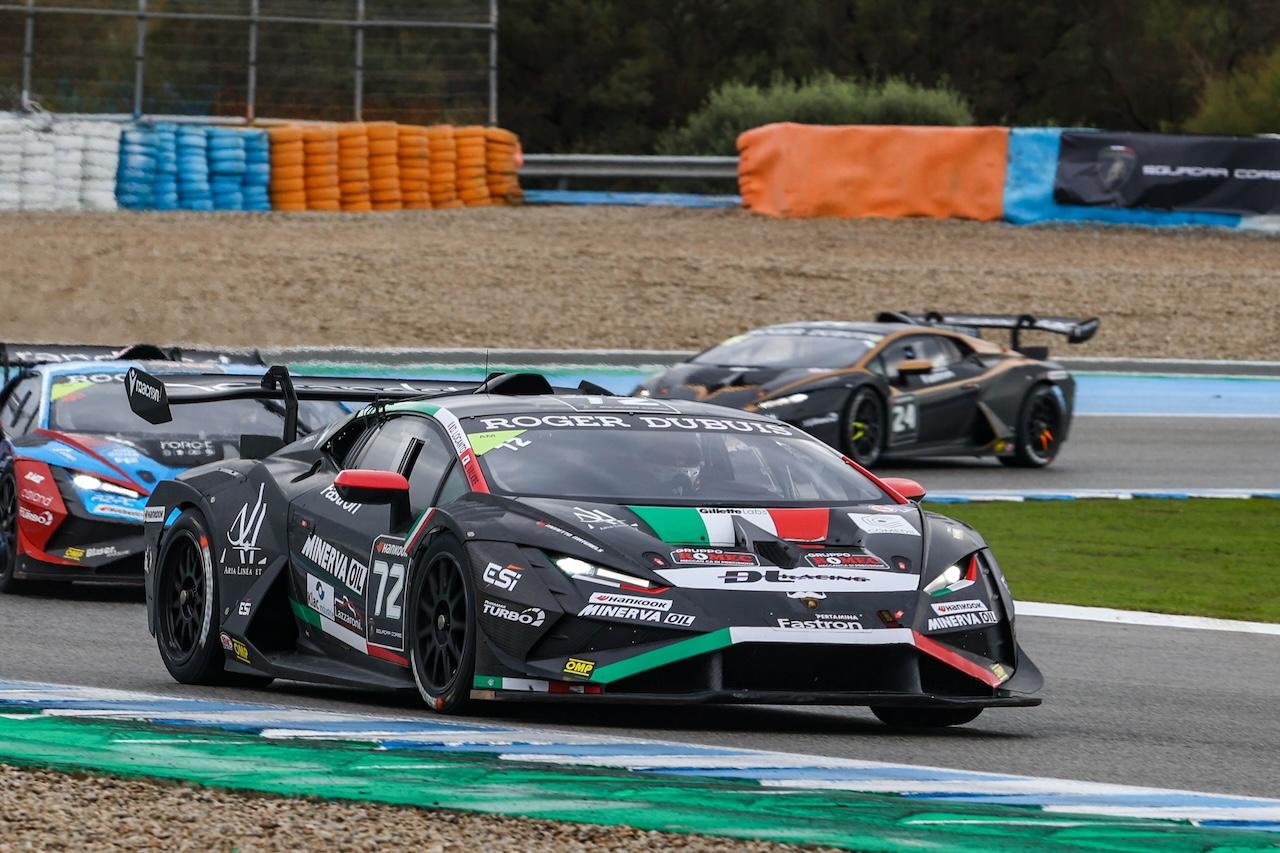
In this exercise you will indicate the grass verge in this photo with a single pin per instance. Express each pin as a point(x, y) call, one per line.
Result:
point(1198, 557)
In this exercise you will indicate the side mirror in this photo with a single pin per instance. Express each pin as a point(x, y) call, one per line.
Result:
point(365, 486)
point(915, 367)
point(908, 488)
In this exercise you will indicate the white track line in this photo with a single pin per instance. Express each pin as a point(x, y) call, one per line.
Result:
point(1139, 617)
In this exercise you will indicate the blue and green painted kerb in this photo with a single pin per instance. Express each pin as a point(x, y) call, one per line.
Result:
point(523, 772)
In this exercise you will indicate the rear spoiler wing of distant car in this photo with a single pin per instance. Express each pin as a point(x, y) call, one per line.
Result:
point(1075, 331)
point(151, 399)
point(18, 357)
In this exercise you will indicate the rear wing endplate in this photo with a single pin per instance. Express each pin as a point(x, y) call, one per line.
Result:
point(1075, 331)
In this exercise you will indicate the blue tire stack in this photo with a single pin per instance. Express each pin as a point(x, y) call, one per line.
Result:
point(226, 168)
point(257, 170)
point(136, 175)
point(165, 189)
point(193, 169)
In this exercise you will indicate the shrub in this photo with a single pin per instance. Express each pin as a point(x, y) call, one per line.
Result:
point(735, 107)
point(1242, 103)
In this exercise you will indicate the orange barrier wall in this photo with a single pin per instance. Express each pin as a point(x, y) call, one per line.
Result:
point(798, 170)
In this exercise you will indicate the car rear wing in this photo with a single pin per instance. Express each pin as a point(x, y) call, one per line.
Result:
point(1075, 331)
point(19, 357)
point(152, 399)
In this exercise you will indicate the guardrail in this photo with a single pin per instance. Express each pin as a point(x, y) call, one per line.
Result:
point(622, 166)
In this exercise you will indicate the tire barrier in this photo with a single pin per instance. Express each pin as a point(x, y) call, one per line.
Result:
point(194, 191)
point(50, 164)
point(414, 159)
point(797, 170)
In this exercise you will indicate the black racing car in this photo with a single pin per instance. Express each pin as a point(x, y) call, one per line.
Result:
point(518, 543)
point(907, 385)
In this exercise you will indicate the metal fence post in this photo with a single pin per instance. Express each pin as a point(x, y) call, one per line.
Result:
point(359, 60)
point(251, 87)
point(28, 53)
point(139, 58)
point(493, 63)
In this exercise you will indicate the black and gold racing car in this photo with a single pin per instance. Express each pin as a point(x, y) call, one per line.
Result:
point(906, 385)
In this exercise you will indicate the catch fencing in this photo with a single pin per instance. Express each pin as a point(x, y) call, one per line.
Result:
point(410, 61)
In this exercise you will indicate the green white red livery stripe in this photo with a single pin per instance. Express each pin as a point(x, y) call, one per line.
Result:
point(344, 635)
point(466, 456)
point(683, 525)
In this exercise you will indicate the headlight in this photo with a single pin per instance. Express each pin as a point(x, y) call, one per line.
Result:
point(642, 392)
point(90, 483)
point(582, 570)
point(790, 400)
point(954, 578)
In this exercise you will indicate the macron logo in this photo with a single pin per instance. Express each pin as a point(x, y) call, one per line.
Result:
point(151, 392)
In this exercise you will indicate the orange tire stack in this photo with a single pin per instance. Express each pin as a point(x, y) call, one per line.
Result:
point(444, 173)
point(502, 161)
point(321, 145)
point(414, 155)
point(473, 184)
point(353, 168)
point(288, 169)
point(384, 165)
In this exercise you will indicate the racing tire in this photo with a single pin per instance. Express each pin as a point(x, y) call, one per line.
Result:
point(442, 626)
point(9, 535)
point(924, 718)
point(1038, 438)
point(863, 427)
point(186, 598)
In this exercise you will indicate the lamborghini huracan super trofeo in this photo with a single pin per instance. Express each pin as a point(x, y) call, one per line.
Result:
point(516, 542)
point(907, 385)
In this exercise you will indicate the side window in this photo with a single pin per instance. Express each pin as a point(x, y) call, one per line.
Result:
point(939, 350)
point(455, 486)
point(21, 407)
point(431, 455)
point(388, 448)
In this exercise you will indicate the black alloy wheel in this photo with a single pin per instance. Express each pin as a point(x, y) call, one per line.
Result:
point(1039, 436)
point(443, 628)
point(864, 427)
point(181, 598)
point(8, 534)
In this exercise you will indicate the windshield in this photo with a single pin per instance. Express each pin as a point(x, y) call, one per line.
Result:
point(99, 407)
point(792, 347)
point(662, 459)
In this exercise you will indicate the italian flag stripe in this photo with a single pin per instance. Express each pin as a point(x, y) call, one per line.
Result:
point(343, 634)
point(681, 525)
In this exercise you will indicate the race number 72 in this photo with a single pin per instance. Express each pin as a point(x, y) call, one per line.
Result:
point(388, 597)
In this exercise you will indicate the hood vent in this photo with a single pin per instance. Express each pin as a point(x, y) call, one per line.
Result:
point(778, 553)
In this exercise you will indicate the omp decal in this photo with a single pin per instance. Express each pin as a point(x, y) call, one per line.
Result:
point(714, 526)
point(647, 784)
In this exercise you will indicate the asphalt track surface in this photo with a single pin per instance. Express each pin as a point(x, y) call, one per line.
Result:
point(1164, 707)
point(1127, 453)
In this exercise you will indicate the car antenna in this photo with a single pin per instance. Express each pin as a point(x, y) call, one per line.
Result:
point(486, 364)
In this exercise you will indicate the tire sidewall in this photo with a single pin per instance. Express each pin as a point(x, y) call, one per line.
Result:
point(850, 408)
point(205, 662)
point(458, 694)
point(1025, 456)
point(9, 560)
